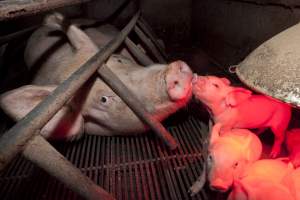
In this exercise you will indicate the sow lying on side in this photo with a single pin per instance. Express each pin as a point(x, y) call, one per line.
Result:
point(95, 109)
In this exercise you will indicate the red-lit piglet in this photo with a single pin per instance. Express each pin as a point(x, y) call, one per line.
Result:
point(229, 154)
point(293, 146)
point(292, 181)
point(264, 179)
point(236, 107)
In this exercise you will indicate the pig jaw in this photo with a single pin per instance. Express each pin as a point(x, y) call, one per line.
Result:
point(179, 81)
point(220, 185)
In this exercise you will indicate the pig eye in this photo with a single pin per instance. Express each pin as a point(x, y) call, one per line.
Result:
point(104, 99)
point(235, 165)
point(216, 85)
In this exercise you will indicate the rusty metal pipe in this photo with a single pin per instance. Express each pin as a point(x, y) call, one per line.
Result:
point(11, 9)
point(137, 53)
point(13, 140)
point(41, 153)
point(136, 106)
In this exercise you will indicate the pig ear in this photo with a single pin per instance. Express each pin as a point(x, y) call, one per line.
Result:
point(215, 132)
point(67, 123)
point(248, 149)
point(236, 96)
point(18, 102)
point(225, 81)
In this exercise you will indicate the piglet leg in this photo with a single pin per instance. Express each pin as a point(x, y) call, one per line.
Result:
point(278, 140)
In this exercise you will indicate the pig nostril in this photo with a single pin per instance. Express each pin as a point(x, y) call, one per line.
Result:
point(176, 82)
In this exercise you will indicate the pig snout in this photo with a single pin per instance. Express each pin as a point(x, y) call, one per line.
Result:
point(199, 84)
point(179, 80)
point(219, 185)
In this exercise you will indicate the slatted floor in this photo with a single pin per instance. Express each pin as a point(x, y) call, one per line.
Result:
point(128, 167)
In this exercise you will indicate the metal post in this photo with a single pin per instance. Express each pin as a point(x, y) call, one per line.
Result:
point(41, 153)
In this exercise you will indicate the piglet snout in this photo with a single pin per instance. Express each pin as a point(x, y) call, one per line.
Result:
point(179, 80)
point(218, 185)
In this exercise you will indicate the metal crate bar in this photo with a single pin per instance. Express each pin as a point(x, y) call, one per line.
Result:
point(41, 153)
point(13, 8)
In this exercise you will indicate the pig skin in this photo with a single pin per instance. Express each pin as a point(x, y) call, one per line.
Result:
point(292, 181)
point(235, 107)
point(263, 179)
point(229, 154)
point(95, 109)
point(293, 146)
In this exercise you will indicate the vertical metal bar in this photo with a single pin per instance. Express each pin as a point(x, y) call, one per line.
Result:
point(142, 172)
point(137, 177)
point(154, 174)
point(137, 53)
point(146, 28)
point(125, 169)
point(129, 148)
point(112, 165)
point(150, 46)
point(40, 152)
point(147, 163)
point(177, 166)
point(108, 163)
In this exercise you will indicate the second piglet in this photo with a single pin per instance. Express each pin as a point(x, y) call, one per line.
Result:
point(229, 155)
point(236, 107)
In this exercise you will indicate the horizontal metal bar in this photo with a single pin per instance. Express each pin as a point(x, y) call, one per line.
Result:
point(14, 139)
point(136, 106)
point(41, 153)
point(11, 9)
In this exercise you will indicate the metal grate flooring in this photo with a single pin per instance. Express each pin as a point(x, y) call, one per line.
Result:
point(128, 167)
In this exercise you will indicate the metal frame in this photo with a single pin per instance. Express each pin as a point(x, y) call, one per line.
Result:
point(10, 9)
point(24, 136)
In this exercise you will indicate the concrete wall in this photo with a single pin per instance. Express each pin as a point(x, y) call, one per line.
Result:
point(229, 29)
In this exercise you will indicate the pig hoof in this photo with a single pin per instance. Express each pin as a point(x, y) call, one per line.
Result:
point(55, 21)
point(274, 153)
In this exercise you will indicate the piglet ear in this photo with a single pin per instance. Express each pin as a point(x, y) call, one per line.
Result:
point(18, 102)
point(236, 96)
point(225, 81)
point(215, 132)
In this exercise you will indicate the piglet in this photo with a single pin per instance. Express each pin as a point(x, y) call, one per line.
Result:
point(293, 146)
point(236, 107)
point(263, 179)
point(229, 154)
point(292, 181)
